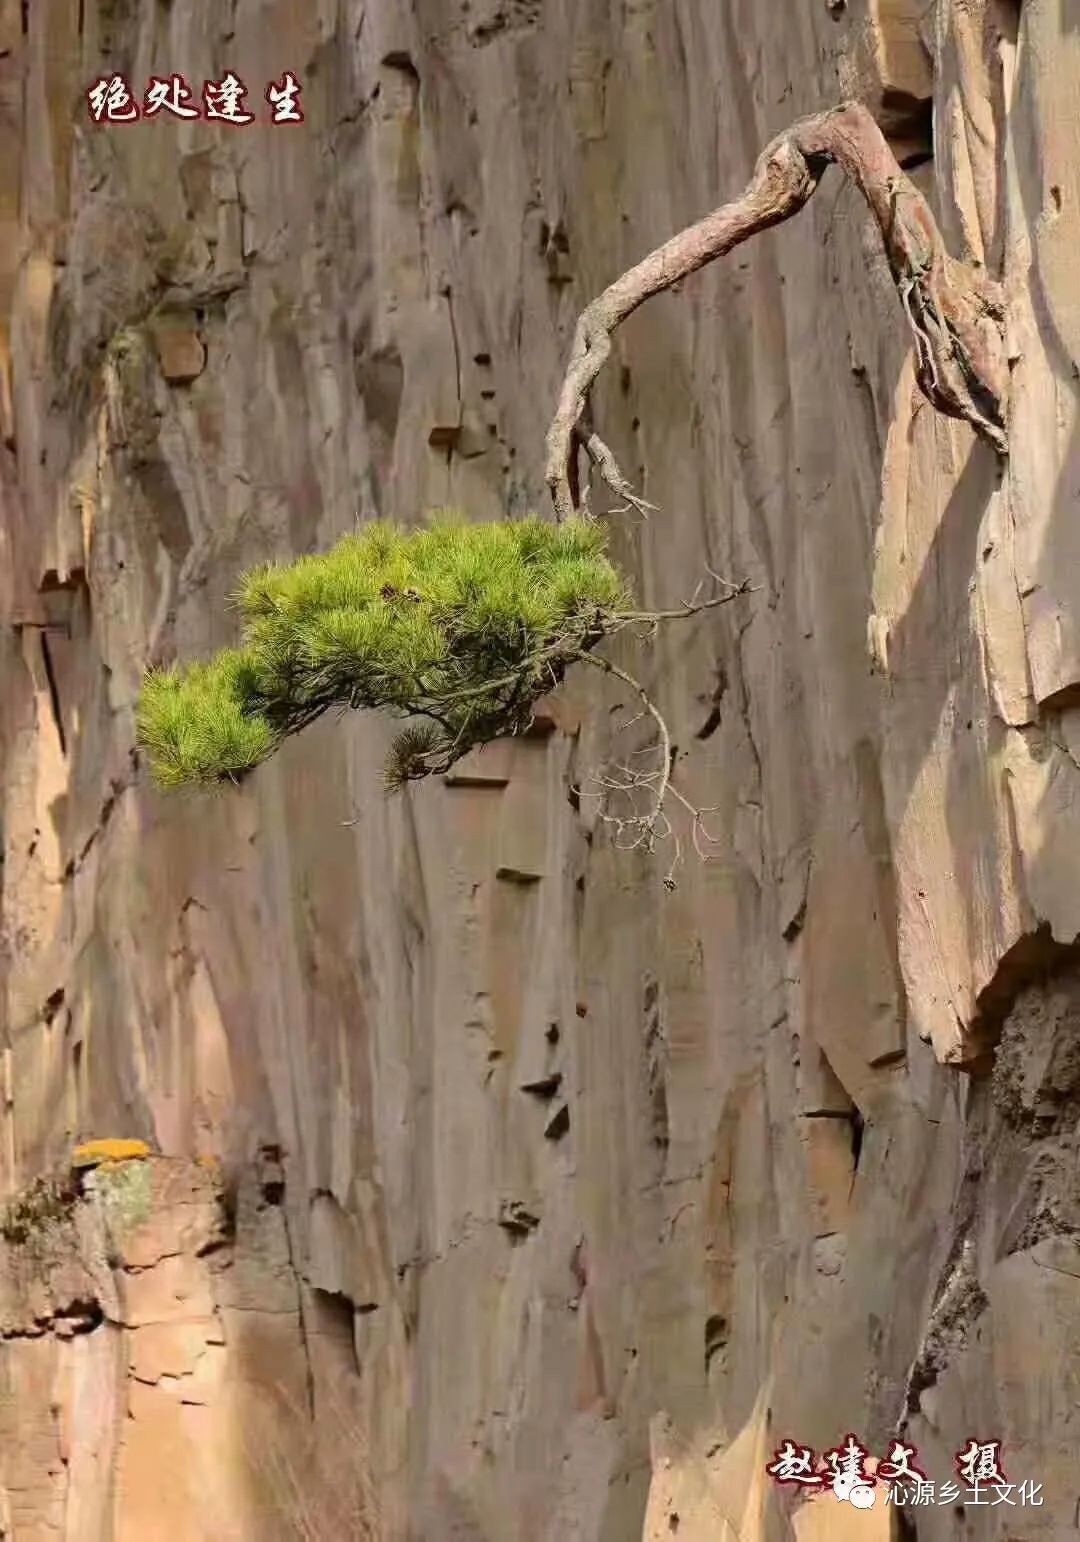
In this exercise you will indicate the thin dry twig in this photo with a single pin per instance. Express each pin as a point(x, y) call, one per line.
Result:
point(554, 658)
point(694, 606)
point(636, 798)
point(955, 311)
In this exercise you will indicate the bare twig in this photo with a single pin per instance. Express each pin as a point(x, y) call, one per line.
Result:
point(693, 606)
point(646, 827)
point(956, 313)
point(557, 654)
point(663, 776)
point(634, 800)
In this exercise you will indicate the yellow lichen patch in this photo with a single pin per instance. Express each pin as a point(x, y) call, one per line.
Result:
point(93, 1152)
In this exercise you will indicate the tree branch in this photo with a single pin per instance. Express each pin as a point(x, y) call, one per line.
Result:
point(637, 829)
point(663, 775)
point(955, 312)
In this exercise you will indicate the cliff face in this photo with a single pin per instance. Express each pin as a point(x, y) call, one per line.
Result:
point(499, 1193)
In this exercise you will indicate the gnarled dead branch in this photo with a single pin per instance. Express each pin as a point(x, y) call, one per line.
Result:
point(956, 312)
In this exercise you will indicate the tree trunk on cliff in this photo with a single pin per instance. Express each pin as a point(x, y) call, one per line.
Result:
point(956, 312)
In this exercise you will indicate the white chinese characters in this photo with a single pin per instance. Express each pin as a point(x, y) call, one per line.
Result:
point(284, 97)
point(854, 1478)
point(172, 95)
point(851, 1480)
point(111, 100)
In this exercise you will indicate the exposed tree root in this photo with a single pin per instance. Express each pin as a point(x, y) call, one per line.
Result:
point(956, 312)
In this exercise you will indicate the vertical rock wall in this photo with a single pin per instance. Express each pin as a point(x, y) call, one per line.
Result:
point(502, 1194)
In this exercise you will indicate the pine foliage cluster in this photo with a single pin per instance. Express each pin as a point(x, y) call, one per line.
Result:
point(457, 627)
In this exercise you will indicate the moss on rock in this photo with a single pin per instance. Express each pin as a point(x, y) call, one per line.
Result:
point(45, 1203)
point(124, 1190)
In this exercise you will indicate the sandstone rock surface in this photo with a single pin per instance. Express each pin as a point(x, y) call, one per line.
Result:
point(497, 1193)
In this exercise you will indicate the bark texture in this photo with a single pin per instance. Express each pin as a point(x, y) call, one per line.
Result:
point(955, 311)
point(498, 1193)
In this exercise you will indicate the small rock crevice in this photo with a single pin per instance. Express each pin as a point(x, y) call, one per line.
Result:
point(656, 1062)
point(959, 1302)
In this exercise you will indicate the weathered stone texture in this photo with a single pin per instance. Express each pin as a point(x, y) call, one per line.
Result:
point(538, 1203)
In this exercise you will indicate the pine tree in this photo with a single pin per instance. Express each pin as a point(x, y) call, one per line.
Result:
point(457, 627)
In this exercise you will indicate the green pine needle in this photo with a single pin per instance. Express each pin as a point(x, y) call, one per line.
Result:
point(459, 627)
